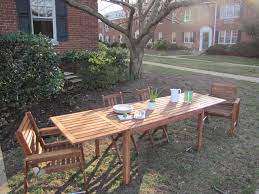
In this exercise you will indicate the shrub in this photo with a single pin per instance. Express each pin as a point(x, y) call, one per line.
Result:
point(244, 49)
point(217, 49)
point(29, 69)
point(160, 45)
point(102, 68)
point(115, 44)
point(240, 49)
point(74, 56)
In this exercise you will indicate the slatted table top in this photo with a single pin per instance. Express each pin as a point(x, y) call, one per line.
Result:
point(88, 125)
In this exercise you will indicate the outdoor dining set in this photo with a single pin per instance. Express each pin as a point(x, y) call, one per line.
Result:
point(119, 121)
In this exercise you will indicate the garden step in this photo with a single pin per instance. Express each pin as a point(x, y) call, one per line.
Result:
point(74, 81)
point(68, 73)
point(70, 77)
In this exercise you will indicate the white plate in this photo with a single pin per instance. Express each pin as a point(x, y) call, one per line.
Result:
point(122, 108)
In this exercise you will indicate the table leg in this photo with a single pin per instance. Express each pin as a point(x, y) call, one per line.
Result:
point(200, 125)
point(97, 148)
point(126, 157)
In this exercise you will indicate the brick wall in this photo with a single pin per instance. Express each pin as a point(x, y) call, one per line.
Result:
point(8, 18)
point(82, 29)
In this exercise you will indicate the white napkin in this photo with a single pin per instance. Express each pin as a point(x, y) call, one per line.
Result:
point(122, 118)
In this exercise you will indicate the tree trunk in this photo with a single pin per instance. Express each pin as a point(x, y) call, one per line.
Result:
point(136, 61)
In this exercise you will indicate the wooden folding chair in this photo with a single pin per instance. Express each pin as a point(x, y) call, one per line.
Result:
point(142, 95)
point(49, 157)
point(229, 109)
point(111, 100)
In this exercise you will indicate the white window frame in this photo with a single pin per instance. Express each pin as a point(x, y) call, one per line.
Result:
point(225, 37)
point(187, 15)
point(54, 21)
point(160, 35)
point(173, 37)
point(189, 36)
point(230, 11)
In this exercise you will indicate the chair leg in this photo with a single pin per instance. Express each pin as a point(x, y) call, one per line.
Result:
point(140, 137)
point(134, 143)
point(151, 138)
point(97, 148)
point(26, 184)
point(117, 149)
point(165, 133)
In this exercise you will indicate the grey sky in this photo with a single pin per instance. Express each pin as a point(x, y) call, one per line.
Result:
point(105, 7)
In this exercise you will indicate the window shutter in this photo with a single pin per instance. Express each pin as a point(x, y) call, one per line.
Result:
point(217, 37)
point(61, 20)
point(194, 36)
point(183, 36)
point(239, 36)
point(24, 15)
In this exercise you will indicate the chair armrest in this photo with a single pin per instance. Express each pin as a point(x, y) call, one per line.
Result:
point(49, 131)
point(55, 155)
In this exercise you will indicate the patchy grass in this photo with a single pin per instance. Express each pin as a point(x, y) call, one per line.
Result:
point(227, 59)
point(229, 164)
point(205, 65)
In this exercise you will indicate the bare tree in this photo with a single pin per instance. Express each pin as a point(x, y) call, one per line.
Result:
point(148, 13)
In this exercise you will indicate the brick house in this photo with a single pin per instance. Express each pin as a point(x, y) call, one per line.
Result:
point(67, 27)
point(200, 26)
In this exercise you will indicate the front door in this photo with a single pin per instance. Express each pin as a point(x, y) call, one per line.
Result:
point(205, 40)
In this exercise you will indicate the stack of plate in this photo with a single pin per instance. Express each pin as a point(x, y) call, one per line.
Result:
point(122, 108)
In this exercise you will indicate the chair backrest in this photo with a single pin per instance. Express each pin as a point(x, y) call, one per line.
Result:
point(142, 94)
point(28, 136)
point(113, 99)
point(225, 91)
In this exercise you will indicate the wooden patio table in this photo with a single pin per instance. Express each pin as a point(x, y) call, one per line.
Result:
point(94, 124)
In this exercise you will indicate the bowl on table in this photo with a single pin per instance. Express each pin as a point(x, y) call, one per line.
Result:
point(122, 108)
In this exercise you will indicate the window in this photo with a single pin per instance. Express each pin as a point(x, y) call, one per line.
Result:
point(44, 18)
point(174, 18)
point(234, 36)
point(228, 37)
point(230, 11)
point(160, 36)
point(120, 38)
point(221, 37)
point(113, 39)
point(188, 37)
point(137, 34)
point(173, 37)
point(106, 27)
point(187, 15)
point(100, 37)
point(107, 39)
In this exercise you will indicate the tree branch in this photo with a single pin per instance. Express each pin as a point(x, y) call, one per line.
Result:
point(95, 13)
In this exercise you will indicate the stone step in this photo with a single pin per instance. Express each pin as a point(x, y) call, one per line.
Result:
point(69, 77)
point(74, 81)
point(68, 73)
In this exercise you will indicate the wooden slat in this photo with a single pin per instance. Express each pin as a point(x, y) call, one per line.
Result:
point(87, 125)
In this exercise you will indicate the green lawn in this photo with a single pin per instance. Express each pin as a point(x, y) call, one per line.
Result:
point(226, 163)
point(227, 59)
point(205, 65)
